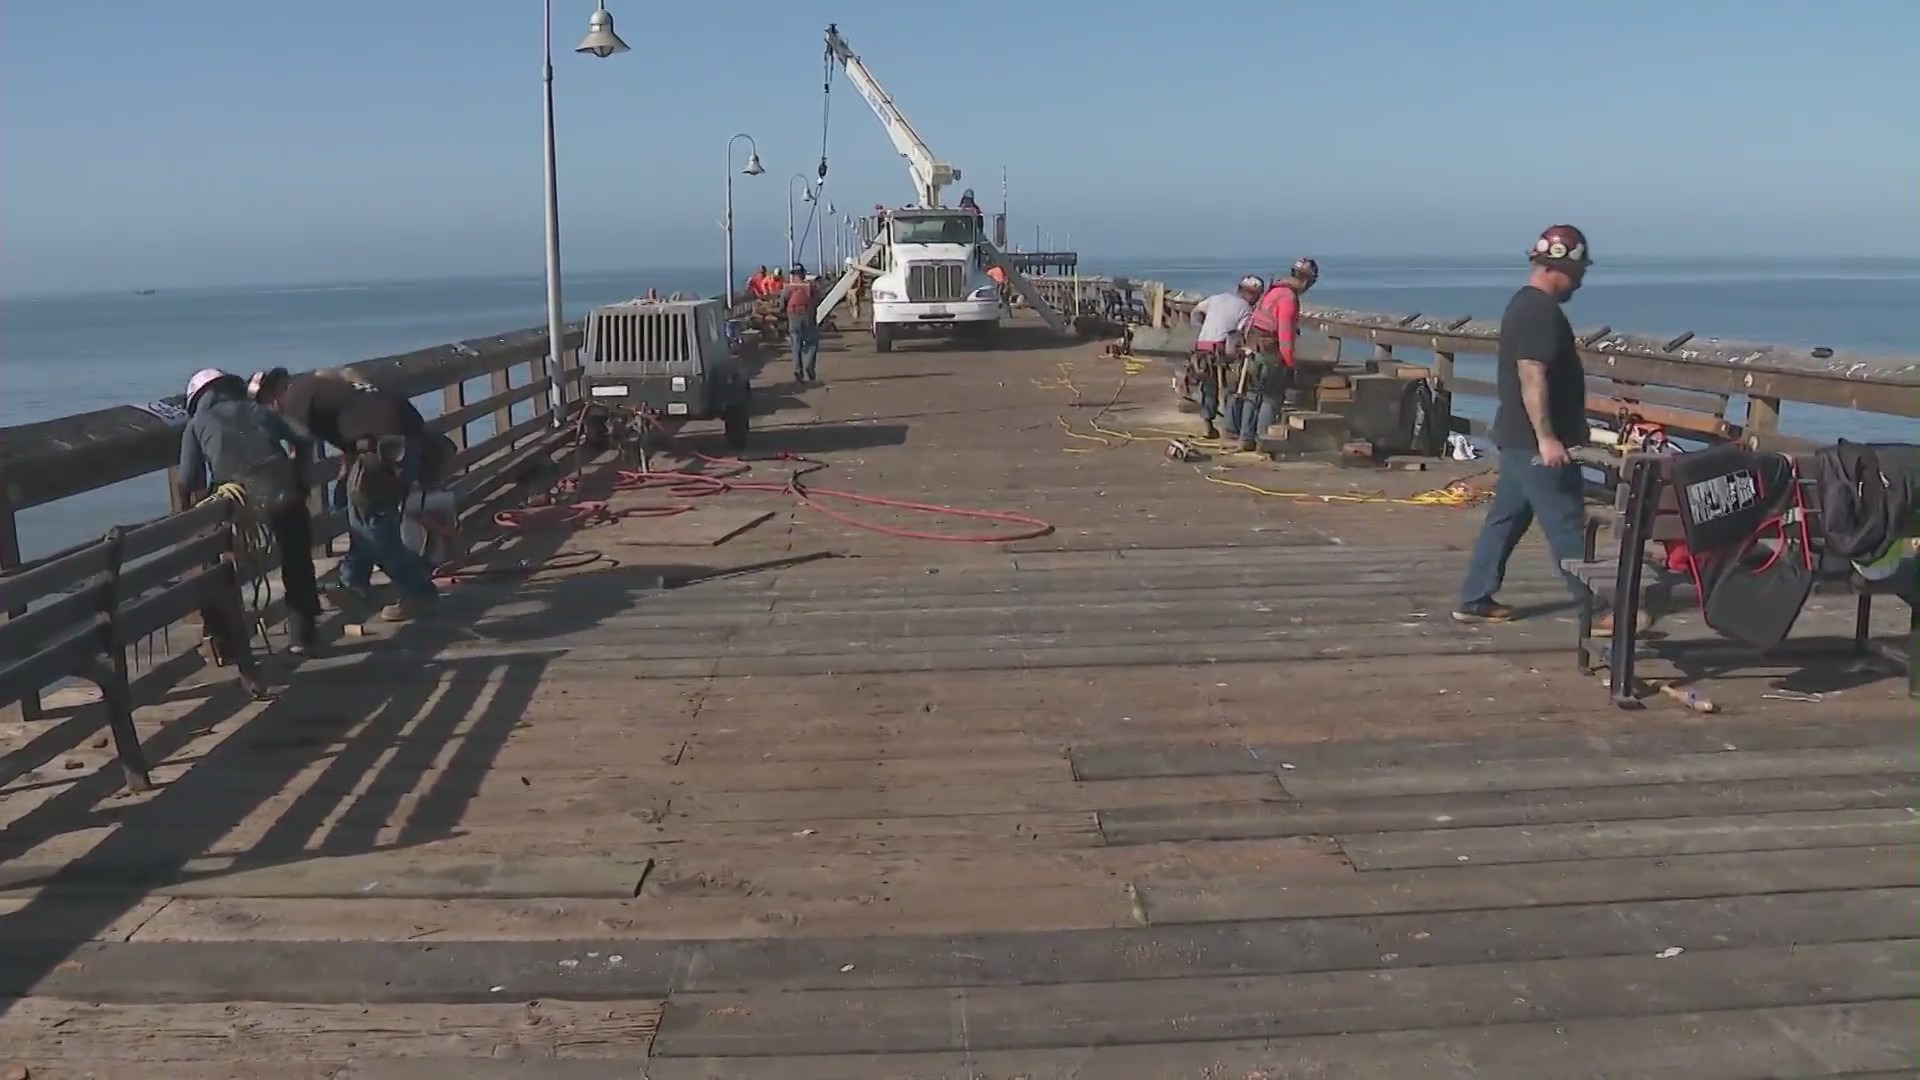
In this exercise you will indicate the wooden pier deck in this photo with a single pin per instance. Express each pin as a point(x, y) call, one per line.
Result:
point(1204, 784)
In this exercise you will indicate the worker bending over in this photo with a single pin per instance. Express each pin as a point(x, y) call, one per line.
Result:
point(1272, 331)
point(230, 440)
point(385, 448)
point(1221, 317)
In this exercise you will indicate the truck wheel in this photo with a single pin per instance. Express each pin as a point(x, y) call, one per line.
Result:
point(882, 338)
point(736, 423)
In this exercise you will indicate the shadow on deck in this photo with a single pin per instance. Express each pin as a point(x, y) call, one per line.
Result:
point(1201, 784)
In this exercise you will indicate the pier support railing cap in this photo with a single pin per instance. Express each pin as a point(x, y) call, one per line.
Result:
point(601, 41)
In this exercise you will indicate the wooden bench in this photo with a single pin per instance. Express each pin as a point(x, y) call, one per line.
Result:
point(89, 605)
point(1644, 511)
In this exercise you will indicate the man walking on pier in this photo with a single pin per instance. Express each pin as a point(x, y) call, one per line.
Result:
point(1542, 416)
point(1272, 330)
point(802, 305)
point(1222, 317)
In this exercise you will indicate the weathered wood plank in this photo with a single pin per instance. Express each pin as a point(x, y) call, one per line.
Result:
point(390, 874)
point(1557, 773)
point(187, 1035)
point(1166, 1010)
point(900, 911)
point(1757, 1044)
point(1515, 885)
point(1460, 810)
point(943, 799)
point(1631, 839)
point(429, 970)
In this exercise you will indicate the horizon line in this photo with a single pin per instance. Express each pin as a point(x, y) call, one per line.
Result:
point(1124, 260)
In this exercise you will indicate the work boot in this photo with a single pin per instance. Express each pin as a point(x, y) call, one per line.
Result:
point(1212, 432)
point(301, 634)
point(1483, 611)
point(408, 608)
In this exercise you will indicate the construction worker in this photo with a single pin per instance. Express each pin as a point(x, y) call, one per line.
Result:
point(230, 440)
point(1272, 331)
point(757, 283)
point(1541, 418)
point(802, 301)
point(386, 451)
point(1221, 317)
point(999, 278)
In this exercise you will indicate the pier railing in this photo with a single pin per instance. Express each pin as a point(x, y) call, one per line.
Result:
point(496, 433)
point(1684, 384)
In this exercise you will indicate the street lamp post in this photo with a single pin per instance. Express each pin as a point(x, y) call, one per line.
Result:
point(753, 168)
point(600, 41)
point(806, 195)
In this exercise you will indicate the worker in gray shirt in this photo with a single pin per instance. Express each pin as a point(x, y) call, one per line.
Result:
point(232, 440)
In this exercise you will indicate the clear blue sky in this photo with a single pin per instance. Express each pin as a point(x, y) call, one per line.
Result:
point(235, 141)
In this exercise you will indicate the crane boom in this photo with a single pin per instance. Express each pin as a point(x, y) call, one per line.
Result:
point(929, 173)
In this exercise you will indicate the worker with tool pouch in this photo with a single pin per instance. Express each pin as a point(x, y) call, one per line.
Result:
point(1222, 318)
point(230, 440)
point(1272, 330)
point(1542, 416)
point(386, 451)
point(801, 301)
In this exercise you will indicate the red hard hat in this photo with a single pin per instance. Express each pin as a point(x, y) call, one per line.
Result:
point(1562, 244)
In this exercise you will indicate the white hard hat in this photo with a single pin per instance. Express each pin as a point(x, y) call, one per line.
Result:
point(202, 379)
point(1252, 281)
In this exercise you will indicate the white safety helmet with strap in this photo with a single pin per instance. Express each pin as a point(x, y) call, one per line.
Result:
point(1252, 283)
point(202, 379)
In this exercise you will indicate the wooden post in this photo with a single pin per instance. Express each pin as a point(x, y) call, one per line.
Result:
point(1763, 420)
point(1442, 369)
point(1335, 339)
point(1156, 305)
point(9, 559)
point(499, 383)
point(569, 367)
point(453, 398)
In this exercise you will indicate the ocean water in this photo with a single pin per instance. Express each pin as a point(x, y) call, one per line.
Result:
point(68, 354)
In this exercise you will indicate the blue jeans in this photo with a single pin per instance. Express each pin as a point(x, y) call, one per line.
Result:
point(1527, 490)
point(1210, 402)
point(806, 347)
point(375, 540)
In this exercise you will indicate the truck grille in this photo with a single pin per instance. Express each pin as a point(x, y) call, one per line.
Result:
point(937, 281)
point(619, 338)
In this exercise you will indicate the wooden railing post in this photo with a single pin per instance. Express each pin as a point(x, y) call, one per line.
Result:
point(1763, 420)
point(569, 387)
point(1156, 305)
point(1442, 370)
point(498, 382)
point(453, 398)
point(9, 559)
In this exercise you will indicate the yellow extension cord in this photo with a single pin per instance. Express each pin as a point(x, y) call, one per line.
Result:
point(1457, 494)
point(253, 541)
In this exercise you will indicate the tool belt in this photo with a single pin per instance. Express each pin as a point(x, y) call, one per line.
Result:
point(377, 476)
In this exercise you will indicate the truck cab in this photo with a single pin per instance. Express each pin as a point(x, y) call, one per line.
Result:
point(933, 278)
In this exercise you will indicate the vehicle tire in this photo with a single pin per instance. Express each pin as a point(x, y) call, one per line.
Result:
point(882, 338)
point(736, 421)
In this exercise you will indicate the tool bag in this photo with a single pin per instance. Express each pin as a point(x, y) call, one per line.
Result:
point(1747, 544)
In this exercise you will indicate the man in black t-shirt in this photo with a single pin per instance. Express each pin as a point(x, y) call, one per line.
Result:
point(1542, 415)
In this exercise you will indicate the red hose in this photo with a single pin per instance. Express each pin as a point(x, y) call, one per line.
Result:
point(687, 488)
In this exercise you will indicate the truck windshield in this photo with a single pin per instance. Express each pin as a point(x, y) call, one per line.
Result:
point(957, 229)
